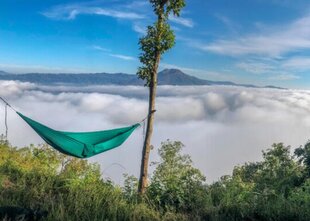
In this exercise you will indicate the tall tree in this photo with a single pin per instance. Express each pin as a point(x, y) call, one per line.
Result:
point(158, 39)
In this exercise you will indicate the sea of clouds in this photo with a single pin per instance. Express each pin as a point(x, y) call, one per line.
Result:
point(221, 126)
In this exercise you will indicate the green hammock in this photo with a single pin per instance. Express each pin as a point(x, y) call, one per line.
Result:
point(81, 144)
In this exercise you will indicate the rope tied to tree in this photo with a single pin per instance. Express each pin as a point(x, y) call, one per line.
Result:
point(143, 122)
point(7, 104)
point(144, 119)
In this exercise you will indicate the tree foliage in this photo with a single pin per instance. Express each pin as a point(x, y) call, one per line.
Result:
point(176, 185)
point(303, 155)
point(69, 189)
point(266, 190)
point(159, 37)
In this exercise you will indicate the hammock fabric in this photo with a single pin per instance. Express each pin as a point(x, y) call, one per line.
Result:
point(81, 144)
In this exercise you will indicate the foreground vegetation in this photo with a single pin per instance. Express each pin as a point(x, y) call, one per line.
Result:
point(277, 188)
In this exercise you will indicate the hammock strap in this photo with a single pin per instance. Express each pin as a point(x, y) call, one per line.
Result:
point(144, 119)
point(7, 104)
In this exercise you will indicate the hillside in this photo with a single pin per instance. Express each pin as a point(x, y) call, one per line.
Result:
point(69, 189)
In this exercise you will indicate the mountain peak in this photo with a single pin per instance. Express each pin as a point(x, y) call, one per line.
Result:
point(171, 71)
point(177, 77)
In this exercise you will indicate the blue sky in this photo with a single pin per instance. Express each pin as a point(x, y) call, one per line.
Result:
point(247, 41)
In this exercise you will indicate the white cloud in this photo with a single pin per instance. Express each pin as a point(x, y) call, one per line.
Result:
point(70, 12)
point(139, 29)
point(255, 67)
point(272, 42)
point(120, 56)
point(275, 70)
point(134, 5)
point(15, 88)
point(284, 77)
point(116, 14)
point(220, 126)
point(187, 22)
point(214, 102)
point(297, 63)
point(99, 48)
point(123, 57)
point(231, 26)
point(32, 68)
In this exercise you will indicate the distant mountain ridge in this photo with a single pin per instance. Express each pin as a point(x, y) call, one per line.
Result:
point(165, 77)
point(3, 73)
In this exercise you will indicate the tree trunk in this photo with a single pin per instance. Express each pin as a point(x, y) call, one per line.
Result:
point(150, 120)
point(149, 132)
point(149, 129)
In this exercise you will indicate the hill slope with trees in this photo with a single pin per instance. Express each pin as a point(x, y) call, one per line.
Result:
point(277, 188)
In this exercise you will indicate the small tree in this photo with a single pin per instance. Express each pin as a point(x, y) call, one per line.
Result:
point(158, 40)
point(176, 185)
point(279, 172)
point(303, 155)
